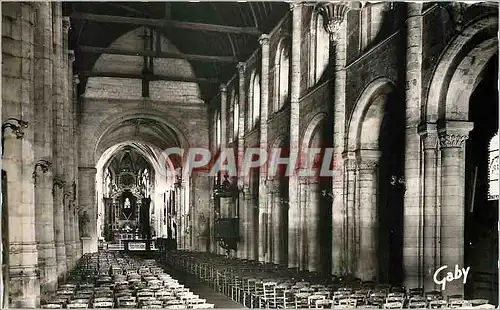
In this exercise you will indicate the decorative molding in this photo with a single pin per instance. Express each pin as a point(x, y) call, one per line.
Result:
point(223, 88)
point(367, 164)
point(76, 79)
point(334, 14)
point(273, 186)
point(16, 125)
point(351, 164)
point(264, 39)
point(66, 23)
point(294, 5)
point(44, 166)
point(456, 12)
point(71, 56)
point(58, 181)
point(449, 140)
point(241, 66)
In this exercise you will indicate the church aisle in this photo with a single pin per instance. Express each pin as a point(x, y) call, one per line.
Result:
point(199, 288)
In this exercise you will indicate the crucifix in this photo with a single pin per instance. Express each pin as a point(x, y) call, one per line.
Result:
point(147, 70)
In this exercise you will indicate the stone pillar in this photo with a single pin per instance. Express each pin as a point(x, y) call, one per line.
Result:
point(293, 211)
point(367, 260)
point(241, 253)
point(303, 229)
point(264, 109)
point(75, 138)
point(414, 205)
point(276, 225)
point(430, 240)
point(349, 234)
point(313, 227)
point(272, 204)
point(334, 14)
point(87, 213)
point(58, 154)
point(19, 20)
point(452, 137)
point(223, 202)
point(247, 219)
point(201, 193)
point(43, 149)
point(188, 218)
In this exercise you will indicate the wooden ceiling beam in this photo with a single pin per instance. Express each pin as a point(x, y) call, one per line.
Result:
point(155, 54)
point(150, 77)
point(160, 23)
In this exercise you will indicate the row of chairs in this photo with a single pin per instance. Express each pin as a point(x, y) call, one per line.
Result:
point(261, 285)
point(112, 279)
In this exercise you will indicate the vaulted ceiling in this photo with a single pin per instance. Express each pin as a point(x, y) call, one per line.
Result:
point(213, 36)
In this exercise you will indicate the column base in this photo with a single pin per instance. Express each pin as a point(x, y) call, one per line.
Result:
point(24, 287)
point(89, 245)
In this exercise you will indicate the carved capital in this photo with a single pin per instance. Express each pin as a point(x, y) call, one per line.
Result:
point(273, 186)
point(71, 55)
point(76, 79)
point(295, 5)
point(66, 23)
point(367, 164)
point(223, 88)
point(452, 140)
point(241, 66)
point(333, 15)
point(264, 39)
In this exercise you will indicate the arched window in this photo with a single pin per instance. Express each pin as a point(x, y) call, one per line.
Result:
point(320, 49)
point(493, 190)
point(218, 130)
point(281, 73)
point(253, 100)
point(256, 99)
point(236, 116)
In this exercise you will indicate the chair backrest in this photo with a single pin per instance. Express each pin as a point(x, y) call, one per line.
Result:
point(203, 306)
point(103, 304)
point(436, 304)
point(417, 305)
point(393, 305)
point(78, 306)
point(348, 302)
point(52, 306)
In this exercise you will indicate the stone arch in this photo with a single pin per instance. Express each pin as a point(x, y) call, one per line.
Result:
point(459, 71)
point(91, 147)
point(311, 132)
point(311, 128)
point(366, 105)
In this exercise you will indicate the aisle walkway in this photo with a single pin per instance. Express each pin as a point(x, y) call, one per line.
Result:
point(212, 296)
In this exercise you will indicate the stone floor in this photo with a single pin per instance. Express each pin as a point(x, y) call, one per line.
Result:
point(212, 296)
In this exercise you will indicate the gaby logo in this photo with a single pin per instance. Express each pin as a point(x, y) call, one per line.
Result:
point(450, 276)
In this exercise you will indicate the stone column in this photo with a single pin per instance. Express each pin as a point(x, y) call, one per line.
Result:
point(264, 109)
point(201, 193)
point(413, 203)
point(349, 241)
point(452, 137)
point(43, 149)
point(19, 20)
point(303, 229)
point(276, 225)
point(367, 261)
point(58, 154)
point(313, 227)
point(241, 253)
point(272, 192)
point(223, 202)
point(75, 138)
point(334, 14)
point(293, 211)
point(247, 222)
point(430, 210)
point(87, 213)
